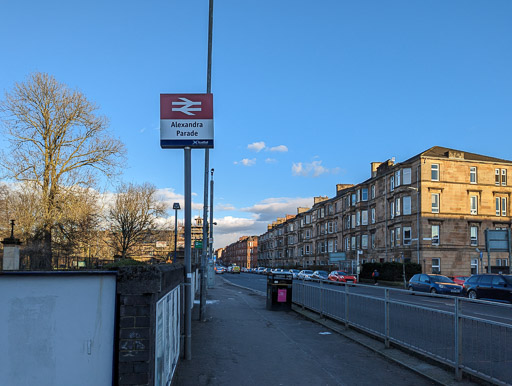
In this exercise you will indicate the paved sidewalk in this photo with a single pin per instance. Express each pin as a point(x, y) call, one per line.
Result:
point(242, 343)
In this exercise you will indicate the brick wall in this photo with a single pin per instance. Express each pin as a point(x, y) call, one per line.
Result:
point(138, 289)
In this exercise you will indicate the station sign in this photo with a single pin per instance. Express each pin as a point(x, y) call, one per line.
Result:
point(186, 120)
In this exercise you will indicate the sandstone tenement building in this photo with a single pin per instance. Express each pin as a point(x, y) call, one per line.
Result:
point(431, 209)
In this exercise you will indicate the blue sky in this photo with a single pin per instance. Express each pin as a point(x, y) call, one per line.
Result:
point(306, 94)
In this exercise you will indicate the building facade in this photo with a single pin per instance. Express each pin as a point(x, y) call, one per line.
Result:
point(243, 252)
point(432, 209)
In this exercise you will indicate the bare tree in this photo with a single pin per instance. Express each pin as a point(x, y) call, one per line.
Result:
point(57, 140)
point(133, 216)
point(79, 224)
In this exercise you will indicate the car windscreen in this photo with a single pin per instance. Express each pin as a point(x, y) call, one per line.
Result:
point(342, 273)
point(441, 279)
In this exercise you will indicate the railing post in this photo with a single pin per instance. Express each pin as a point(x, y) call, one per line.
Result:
point(386, 317)
point(303, 294)
point(458, 340)
point(347, 324)
point(321, 299)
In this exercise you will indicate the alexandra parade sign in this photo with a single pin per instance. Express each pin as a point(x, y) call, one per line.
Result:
point(186, 120)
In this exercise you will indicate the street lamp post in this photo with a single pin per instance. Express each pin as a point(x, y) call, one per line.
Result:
point(211, 218)
point(176, 207)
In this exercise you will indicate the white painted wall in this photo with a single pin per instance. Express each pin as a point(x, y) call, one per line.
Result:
point(57, 329)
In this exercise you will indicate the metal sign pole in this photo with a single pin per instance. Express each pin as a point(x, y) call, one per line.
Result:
point(509, 240)
point(188, 266)
point(487, 247)
point(202, 296)
point(211, 217)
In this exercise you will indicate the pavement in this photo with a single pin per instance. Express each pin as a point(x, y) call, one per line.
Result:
point(243, 343)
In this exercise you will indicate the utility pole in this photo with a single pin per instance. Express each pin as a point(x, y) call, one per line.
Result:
point(202, 301)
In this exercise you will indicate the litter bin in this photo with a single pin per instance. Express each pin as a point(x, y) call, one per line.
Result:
point(279, 291)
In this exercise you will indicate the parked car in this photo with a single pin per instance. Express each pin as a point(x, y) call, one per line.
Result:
point(342, 277)
point(278, 270)
point(459, 279)
point(294, 272)
point(260, 270)
point(435, 284)
point(305, 274)
point(320, 275)
point(490, 287)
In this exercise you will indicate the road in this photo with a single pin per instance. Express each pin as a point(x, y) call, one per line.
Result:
point(419, 320)
point(496, 312)
point(243, 343)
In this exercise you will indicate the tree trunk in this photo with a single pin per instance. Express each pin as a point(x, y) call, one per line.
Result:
point(46, 255)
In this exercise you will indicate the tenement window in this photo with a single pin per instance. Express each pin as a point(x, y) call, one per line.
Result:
point(407, 176)
point(474, 236)
point(407, 205)
point(474, 204)
point(435, 234)
point(434, 172)
point(436, 265)
point(364, 194)
point(501, 206)
point(407, 235)
point(472, 175)
point(435, 202)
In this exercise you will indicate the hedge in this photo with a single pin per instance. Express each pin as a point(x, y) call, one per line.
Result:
point(390, 271)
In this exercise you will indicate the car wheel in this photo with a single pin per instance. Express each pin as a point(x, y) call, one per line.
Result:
point(411, 289)
point(433, 291)
point(472, 295)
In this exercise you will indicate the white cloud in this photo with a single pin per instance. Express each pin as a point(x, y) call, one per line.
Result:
point(229, 229)
point(312, 169)
point(256, 146)
point(221, 207)
point(246, 162)
point(280, 149)
point(271, 208)
point(271, 161)
point(169, 197)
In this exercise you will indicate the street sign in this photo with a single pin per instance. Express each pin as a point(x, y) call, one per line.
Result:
point(186, 120)
point(335, 257)
point(497, 240)
point(198, 244)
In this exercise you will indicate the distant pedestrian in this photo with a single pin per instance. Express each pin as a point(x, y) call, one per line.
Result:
point(375, 276)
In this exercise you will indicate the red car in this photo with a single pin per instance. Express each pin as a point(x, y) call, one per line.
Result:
point(343, 277)
point(459, 279)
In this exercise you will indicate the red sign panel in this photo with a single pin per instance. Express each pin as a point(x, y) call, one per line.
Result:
point(186, 106)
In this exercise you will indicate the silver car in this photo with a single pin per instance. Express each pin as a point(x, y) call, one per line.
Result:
point(305, 274)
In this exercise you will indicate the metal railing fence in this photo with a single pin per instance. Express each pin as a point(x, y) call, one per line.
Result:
point(458, 332)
